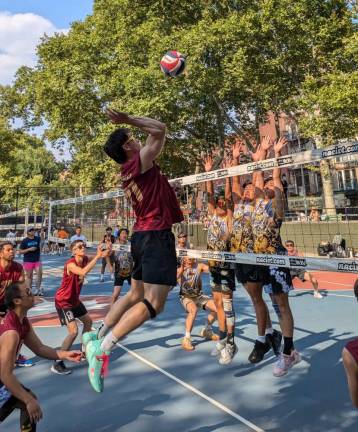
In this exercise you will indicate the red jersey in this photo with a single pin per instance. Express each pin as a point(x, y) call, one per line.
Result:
point(12, 322)
point(7, 276)
point(68, 295)
point(153, 199)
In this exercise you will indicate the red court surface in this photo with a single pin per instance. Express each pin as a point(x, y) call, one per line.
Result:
point(330, 281)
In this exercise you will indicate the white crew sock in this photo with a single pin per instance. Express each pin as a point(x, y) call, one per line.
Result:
point(261, 339)
point(109, 342)
point(187, 334)
point(269, 331)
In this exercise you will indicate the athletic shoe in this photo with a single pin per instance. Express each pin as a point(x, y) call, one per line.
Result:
point(23, 361)
point(97, 364)
point(228, 353)
point(101, 278)
point(60, 368)
point(317, 295)
point(259, 351)
point(187, 345)
point(219, 346)
point(89, 336)
point(208, 334)
point(285, 362)
point(274, 340)
point(41, 293)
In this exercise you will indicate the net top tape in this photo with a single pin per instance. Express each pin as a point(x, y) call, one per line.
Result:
point(302, 263)
point(308, 156)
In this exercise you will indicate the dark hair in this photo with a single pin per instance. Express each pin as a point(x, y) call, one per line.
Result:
point(267, 179)
point(5, 243)
point(247, 183)
point(78, 226)
point(121, 230)
point(12, 292)
point(290, 241)
point(109, 228)
point(74, 243)
point(114, 145)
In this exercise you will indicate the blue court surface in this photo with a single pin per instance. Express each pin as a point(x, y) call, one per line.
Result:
point(153, 385)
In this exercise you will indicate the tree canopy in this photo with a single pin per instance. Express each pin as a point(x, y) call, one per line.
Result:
point(244, 58)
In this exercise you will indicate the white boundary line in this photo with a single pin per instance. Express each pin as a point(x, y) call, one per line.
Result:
point(193, 390)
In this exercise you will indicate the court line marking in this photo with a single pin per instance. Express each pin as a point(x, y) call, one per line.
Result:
point(340, 295)
point(193, 389)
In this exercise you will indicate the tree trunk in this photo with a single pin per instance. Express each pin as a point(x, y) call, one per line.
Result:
point(327, 185)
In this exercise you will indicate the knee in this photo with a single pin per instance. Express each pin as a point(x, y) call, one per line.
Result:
point(134, 295)
point(256, 299)
point(192, 312)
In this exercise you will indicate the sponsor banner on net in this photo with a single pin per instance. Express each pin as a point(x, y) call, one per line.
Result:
point(348, 266)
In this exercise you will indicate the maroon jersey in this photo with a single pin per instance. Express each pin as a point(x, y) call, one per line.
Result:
point(68, 295)
point(153, 199)
point(352, 347)
point(12, 322)
point(7, 276)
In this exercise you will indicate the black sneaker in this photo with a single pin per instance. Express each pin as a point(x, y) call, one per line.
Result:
point(259, 351)
point(59, 368)
point(274, 340)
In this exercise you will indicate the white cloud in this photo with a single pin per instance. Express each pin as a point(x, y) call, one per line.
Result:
point(19, 36)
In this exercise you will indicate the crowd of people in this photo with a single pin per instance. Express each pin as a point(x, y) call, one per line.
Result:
point(245, 217)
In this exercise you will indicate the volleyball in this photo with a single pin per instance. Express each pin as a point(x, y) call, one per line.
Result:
point(172, 63)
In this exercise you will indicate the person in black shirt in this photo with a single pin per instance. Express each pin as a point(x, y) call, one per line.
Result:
point(108, 239)
point(30, 247)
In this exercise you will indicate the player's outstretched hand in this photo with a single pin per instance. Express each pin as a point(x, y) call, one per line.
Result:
point(278, 146)
point(73, 356)
point(117, 116)
point(208, 163)
point(34, 410)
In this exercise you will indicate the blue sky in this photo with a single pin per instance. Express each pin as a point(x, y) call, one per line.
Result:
point(59, 12)
point(22, 23)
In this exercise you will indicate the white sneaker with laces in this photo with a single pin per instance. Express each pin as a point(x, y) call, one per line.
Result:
point(219, 346)
point(317, 295)
point(228, 353)
point(285, 362)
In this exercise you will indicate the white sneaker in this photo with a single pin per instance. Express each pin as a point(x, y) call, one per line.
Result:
point(285, 362)
point(219, 346)
point(317, 295)
point(102, 278)
point(228, 353)
point(112, 276)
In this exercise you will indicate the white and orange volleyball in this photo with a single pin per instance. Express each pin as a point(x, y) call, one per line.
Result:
point(172, 63)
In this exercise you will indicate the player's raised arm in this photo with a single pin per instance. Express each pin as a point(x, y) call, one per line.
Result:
point(155, 129)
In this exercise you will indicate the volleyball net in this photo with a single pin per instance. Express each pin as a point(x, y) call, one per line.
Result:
point(326, 238)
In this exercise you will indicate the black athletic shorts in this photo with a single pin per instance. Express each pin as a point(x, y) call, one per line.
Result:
point(222, 280)
point(154, 257)
point(250, 273)
point(119, 281)
point(68, 315)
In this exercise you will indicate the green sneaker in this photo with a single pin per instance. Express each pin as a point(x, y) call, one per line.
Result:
point(98, 361)
point(89, 336)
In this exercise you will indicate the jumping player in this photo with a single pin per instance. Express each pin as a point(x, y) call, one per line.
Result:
point(222, 274)
point(67, 299)
point(15, 330)
point(152, 243)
